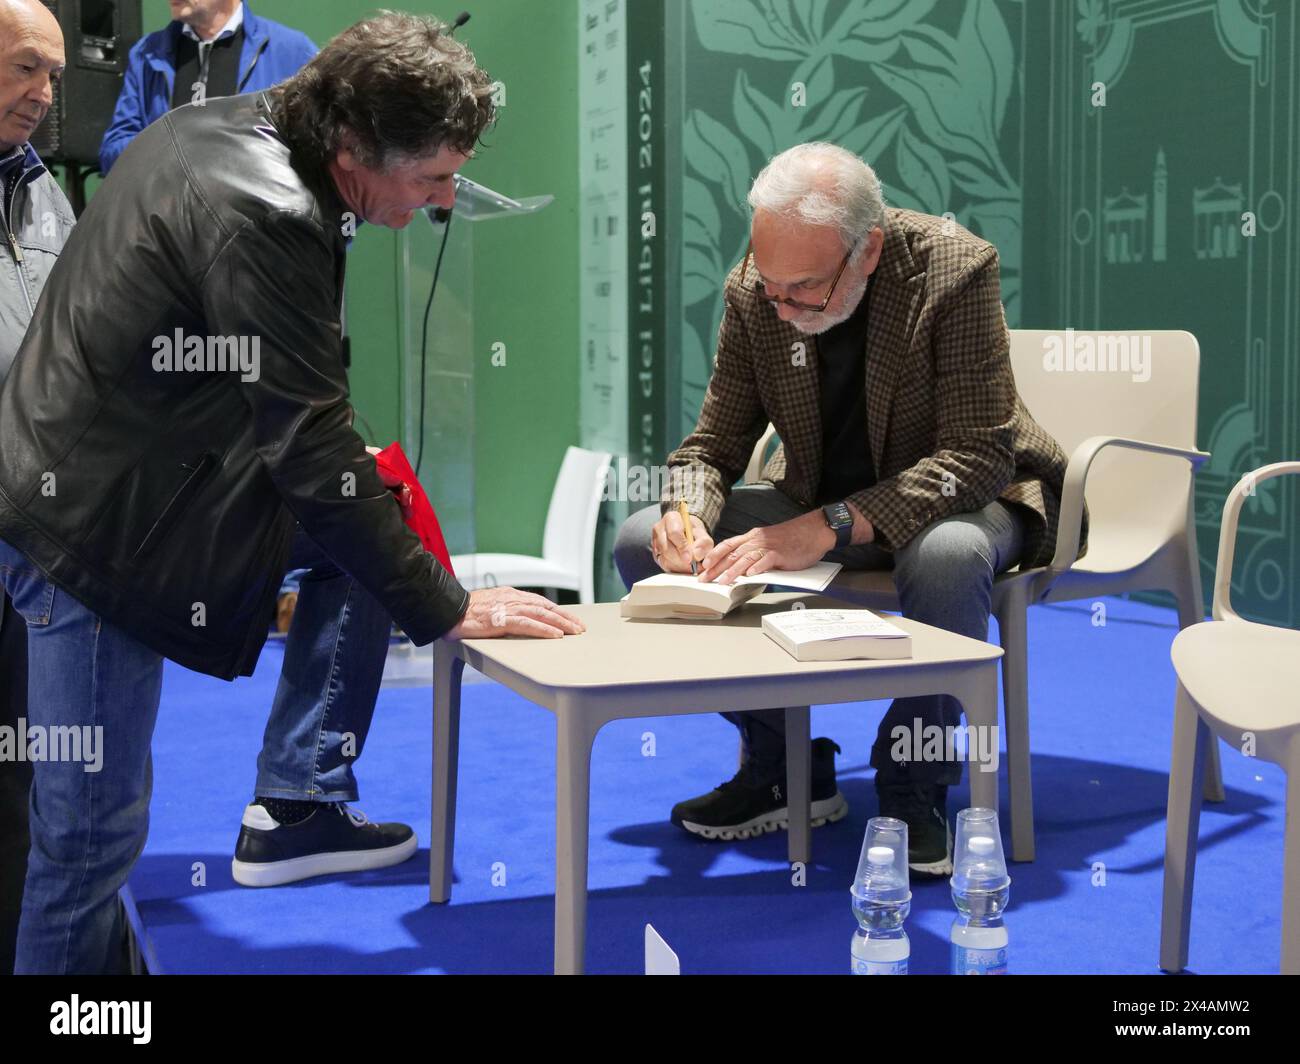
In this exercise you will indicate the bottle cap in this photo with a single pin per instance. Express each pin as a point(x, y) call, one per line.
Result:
point(978, 863)
point(882, 865)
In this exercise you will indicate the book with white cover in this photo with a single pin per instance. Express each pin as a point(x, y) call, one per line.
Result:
point(685, 597)
point(836, 635)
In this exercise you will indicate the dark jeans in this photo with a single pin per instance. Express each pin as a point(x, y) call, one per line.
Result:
point(15, 780)
point(90, 815)
point(944, 576)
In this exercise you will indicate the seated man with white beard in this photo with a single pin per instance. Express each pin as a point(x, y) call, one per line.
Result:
point(874, 340)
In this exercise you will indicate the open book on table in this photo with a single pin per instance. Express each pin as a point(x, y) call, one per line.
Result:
point(685, 597)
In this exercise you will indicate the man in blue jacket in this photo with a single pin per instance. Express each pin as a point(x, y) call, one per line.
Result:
point(211, 48)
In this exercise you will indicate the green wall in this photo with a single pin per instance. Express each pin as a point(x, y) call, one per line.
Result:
point(525, 269)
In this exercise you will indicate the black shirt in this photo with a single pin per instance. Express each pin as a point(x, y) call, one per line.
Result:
point(222, 67)
point(842, 364)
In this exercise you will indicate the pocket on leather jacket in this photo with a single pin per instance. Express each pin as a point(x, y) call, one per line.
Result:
point(176, 506)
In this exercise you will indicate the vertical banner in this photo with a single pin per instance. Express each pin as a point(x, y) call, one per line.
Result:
point(647, 121)
point(602, 157)
point(624, 305)
point(603, 255)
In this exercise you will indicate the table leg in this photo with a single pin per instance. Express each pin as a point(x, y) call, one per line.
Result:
point(1012, 614)
point(447, 671)
point(575, 731)
point(978, 695)
point(798, 782)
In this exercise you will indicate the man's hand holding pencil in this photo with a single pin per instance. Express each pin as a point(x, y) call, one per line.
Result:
point(680, 541)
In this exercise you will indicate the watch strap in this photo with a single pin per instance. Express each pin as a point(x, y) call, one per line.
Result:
point(842, 528)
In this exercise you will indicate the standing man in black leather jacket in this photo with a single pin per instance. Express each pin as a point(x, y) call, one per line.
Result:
point(178, 407)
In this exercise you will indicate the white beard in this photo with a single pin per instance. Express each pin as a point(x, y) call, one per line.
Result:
point(814, 323)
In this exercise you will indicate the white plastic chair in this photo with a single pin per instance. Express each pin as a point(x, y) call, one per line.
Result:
point(759, 458)
point(568, 543)
point(1237, 680)
point(1134, 444)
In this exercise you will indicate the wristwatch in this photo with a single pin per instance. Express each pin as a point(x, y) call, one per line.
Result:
point(840, 520)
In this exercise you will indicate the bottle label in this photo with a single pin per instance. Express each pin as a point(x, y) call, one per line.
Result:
point(978, 961)
point(861, 967)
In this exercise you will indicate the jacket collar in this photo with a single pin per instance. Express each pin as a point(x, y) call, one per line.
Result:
point(29, 164)
point(895, 304)
point(228, 30)
point(896, 256)
point(322, 186)
point(162, 56)
point(31, 161)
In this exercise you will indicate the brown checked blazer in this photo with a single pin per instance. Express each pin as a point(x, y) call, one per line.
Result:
point(941, 398)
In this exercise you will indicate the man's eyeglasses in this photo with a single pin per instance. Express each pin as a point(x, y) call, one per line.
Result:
point(760, 289)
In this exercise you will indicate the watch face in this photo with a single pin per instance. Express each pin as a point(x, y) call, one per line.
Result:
point(837, 515)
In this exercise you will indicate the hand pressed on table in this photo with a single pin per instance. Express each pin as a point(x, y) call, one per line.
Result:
point(498, 611)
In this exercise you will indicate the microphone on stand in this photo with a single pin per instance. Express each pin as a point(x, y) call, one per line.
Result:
point(442, 215)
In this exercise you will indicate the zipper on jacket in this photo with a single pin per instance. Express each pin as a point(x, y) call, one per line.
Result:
point(7, 204)
point(18, 258)
point(198, 473)
point(249, 72)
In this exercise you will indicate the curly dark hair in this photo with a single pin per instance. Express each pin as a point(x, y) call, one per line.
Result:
point(394, 87)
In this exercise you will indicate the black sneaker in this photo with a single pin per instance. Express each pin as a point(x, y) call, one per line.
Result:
point(924, 808)
point(332, 839)
point(753, 803)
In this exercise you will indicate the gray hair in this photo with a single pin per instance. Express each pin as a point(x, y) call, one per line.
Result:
point(822, 184)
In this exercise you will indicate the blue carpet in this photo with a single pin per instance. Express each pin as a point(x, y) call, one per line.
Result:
point(1101, 711)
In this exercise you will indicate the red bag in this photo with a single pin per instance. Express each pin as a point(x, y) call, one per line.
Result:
point(422, 520)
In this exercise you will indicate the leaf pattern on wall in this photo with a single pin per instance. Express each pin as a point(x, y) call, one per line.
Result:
point(920, 91)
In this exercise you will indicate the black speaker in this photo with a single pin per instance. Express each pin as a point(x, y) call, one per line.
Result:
point(97, 36)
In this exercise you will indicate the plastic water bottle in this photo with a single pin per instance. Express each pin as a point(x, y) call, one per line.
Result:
point(882, 899)
point(980, 889)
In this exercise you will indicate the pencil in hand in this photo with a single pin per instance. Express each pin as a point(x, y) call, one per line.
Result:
point(690, 535)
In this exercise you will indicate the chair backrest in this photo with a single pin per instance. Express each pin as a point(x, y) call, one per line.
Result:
point(759, 456)
point(570, 536)
point(1243, 489)
point(1150, 394)
point(1140, 385)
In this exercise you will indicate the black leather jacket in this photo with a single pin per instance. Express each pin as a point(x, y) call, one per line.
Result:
point(166, 500)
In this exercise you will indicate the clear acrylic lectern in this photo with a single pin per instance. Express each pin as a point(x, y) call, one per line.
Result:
point(445, 381)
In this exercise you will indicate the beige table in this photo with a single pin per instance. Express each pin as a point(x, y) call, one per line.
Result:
point(622, 668)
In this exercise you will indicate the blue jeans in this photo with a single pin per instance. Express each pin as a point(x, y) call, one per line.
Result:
point(944, 576)
point(90, 816)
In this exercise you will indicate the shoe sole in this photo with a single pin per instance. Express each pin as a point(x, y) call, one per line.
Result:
point(826, 811)
point(941, 867)
point(934, 868)
point(276, 873)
